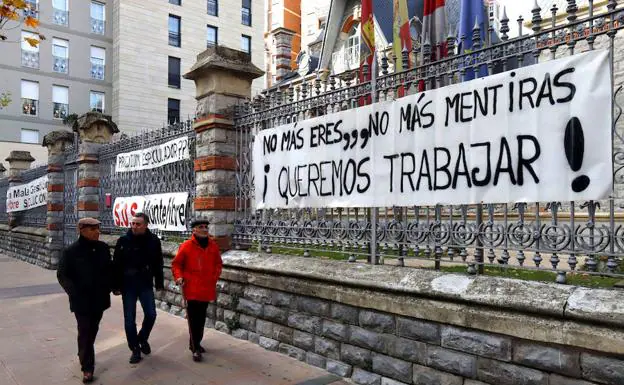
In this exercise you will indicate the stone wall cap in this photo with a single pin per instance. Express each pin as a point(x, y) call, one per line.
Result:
point(562, 301)
point(282, 30)
point(57, 136)
point(91, 117)
point(20, 156)
point(221, 57)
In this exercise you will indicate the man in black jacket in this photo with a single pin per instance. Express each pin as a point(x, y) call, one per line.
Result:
point(138, 263)
point(85, 273)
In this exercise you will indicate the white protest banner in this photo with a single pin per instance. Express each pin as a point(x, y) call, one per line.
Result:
point(167, 212)
point(152, 157)
point(27, 196)
point(540, 133)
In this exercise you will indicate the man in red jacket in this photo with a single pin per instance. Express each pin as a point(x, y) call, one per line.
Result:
point(196, 269)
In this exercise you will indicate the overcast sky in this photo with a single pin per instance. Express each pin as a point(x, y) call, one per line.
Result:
point(515, 8)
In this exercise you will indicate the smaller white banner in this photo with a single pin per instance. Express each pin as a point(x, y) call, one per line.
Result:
point(27, 196)
point(167, 212)
point(152, 157)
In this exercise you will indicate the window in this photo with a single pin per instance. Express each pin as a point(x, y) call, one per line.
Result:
point(96, 101)
point(212, 36)
point(246, 44)
point(174, 72)
point(60, 102)
point(60, 15)
point(29, 136)
point(60, 55)
point(32, 9)
point(98, 62)
point(173, 111)
point(175, 2)
point(98, 18)
point(213, 7)
point(246, 12)
point(30, 98)
point(174, 30)
point(30, 54)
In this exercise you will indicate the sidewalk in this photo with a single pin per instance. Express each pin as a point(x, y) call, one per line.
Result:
point(38, 344)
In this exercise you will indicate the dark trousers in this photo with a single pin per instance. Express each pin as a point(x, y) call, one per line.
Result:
point(145, 296)
point(196, 316)
point(88, 326)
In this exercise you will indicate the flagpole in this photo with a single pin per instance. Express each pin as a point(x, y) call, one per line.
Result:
point(375, 211)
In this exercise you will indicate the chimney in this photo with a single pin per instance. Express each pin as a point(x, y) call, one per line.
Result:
point(282, 54)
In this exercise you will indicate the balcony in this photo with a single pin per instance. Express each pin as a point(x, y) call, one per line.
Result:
point(60, 17)
point(174, 39)
point(98, 26)
point(32, 10)
point(346, 59)
point(97, 70)
point(246, 17)
point(60, 110)
point(30, 59)
point(30, 107)
point(61, 64)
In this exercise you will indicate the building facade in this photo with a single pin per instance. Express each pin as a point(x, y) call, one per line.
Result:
point(155, 45)
point(124, 58)
point(69, 71)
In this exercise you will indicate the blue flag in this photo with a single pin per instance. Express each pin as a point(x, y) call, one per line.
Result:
point(471, 12)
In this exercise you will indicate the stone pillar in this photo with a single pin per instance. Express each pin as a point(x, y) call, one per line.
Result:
point(19, 161)
point(56, 142)
point(222, 78)
point(283, 51)
point(94, 130)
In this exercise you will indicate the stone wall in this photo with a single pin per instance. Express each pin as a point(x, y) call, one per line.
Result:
point(26, 244)
point(383, 325)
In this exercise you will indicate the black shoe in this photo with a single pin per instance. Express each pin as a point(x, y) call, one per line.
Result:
point(87, 377)
point(135, 358)
point(201, 349)
point(197, 356)
point(145, 347)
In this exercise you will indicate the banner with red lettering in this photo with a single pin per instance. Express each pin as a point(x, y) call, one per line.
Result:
point(167, 212)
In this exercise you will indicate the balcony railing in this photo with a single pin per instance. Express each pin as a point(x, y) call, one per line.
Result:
point(213, 8)
point(60, 17)
point(246, 16)
point(346, 59)
point(98, 26)
point(60, 110)
point(32, 10)
point(30, 59)
point(30, 107)
point(97, 70)
point(61, 64)
point(174, 39)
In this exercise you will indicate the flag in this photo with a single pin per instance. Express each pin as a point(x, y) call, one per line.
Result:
point(401, 38)
point(367, 44)
point(434, 29)
point(472, 12)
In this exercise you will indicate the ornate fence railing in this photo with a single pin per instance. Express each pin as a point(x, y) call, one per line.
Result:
point(558, 236)
point(38, 216)
point(169, 178)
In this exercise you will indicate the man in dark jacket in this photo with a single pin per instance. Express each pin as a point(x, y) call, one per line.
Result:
point(138, 263)
point(85, 272)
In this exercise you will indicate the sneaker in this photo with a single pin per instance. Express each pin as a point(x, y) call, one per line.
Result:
point(135, 358)
point(87, 377)
point(197, 356)
point(145, 347)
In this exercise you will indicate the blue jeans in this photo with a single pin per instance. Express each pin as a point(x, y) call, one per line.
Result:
point(146, 297)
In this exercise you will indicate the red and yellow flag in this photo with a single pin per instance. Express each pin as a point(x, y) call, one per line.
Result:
point(401, 38)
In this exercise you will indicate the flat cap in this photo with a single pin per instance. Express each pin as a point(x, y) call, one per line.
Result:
point(199, 221)
point(88, 222)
